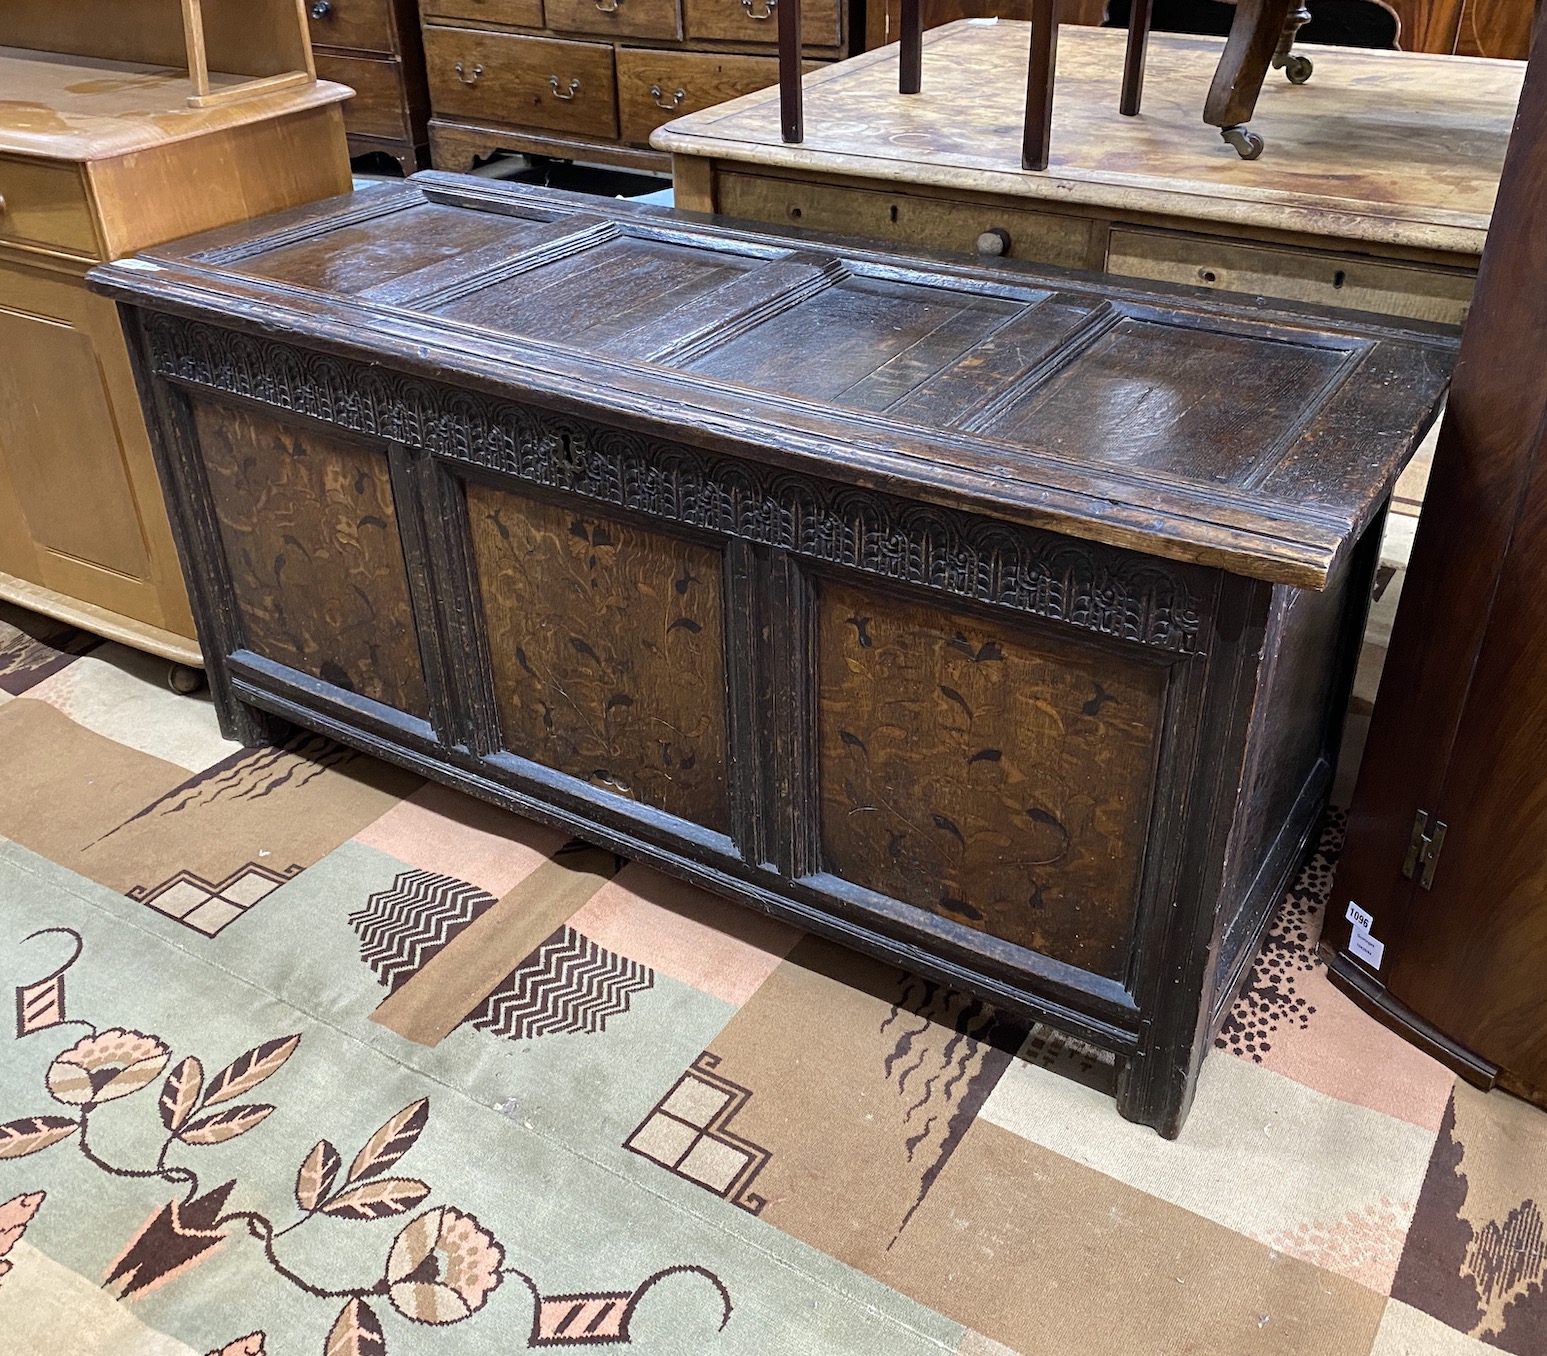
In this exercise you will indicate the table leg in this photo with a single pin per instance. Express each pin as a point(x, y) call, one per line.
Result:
point(1243, 66)
point(1039, 84)
point(910, 58)
point(1133, 60)
point(792, 118)
point(1296, 66)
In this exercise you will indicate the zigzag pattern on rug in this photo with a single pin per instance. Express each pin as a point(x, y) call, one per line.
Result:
point(568, 986)
point(402, 927)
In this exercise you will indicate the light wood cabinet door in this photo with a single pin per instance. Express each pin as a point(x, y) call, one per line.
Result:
point(80, 507)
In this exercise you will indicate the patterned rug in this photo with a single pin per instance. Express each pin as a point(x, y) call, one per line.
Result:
point(311, 1056)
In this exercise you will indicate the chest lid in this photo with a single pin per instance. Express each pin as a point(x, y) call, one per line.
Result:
point(1254, 437)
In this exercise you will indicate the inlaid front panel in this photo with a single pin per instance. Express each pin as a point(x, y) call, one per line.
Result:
point(311, 535)
point(993, 777)
point(607, 648)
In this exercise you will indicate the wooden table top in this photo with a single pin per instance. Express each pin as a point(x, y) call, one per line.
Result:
point(65, 107)
point(1399, 148)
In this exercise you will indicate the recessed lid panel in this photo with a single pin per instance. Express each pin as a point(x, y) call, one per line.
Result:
point(608, 287)
point(357, 257)
point(1202, 405)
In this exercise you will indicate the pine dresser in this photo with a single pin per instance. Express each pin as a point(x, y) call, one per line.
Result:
point(994, 620)
point(109, 143)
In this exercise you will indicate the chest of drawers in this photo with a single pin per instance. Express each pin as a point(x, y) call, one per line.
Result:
point(592, 79)
point(993, 621)
point(374, 47)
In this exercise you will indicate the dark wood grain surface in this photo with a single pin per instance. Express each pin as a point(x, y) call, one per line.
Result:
point(998, 779)
point(352, 258)
point(311, 535)
point(608, 651)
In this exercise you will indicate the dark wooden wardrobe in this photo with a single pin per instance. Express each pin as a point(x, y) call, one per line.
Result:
point(1447, 843)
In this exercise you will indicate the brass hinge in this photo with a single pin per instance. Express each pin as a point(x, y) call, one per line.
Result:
point(1423, 848)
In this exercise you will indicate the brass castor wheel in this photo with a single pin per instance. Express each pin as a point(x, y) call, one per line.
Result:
point(184, 680)
point(1298, 68)
point(1248, 145)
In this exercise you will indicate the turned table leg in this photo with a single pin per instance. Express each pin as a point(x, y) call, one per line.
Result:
point(1296, 67)
point(1243, 66)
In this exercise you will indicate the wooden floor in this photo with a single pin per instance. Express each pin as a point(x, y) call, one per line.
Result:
point(1398, 147)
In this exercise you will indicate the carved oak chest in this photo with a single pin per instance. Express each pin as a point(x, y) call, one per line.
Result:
point(992, 620)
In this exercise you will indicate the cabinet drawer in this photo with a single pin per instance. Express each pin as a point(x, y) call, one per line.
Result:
point(755, 21)
point(655, 87)
point(530, 82)
point(904, 218)
point(617, 18)
point(361, 25)
point(518, 13)
point(45, 204)
point(1418, 291)
point(377, 108)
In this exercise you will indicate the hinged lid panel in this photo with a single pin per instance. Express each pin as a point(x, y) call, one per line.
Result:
point(1258, 438)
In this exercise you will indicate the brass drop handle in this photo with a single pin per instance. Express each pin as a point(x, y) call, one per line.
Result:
point(676, 99)
point(574, 88)
point(767, 11)
point(464, 77)
point(994, 241)
point(608, 6)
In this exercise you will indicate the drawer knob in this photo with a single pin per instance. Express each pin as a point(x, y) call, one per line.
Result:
point(572, 89)
point(321, 9)
point(608, 6)
point(464, 77)
point(760, 9)
point(656, 93)
point(994, 241)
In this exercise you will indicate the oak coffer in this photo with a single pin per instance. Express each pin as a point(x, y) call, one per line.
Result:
point(995, 621)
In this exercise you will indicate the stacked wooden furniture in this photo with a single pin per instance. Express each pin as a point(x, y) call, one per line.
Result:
point(1141, 197)
point(993, 620)
point(374, 47)
point(112, 139)
point(590, 80)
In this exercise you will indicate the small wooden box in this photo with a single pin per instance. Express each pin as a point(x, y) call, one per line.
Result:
point(996, 622)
